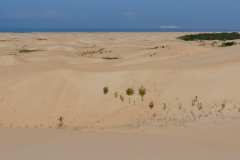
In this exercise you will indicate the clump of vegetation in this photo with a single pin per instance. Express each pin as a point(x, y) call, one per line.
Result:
point(142, 92)
point(122, 98)
point(28, 50)
point(110, 58)
point(223, 106)
point(195, 100)
point(228, 44)
point(180, 106)
point(199, 106)
point(211, 36)
point(130, 92)
point(151, 105)
point(116, 94)
point(164, 106)
point(42, 39)
point(105, 90)
point(154, 47)
point(60, 122)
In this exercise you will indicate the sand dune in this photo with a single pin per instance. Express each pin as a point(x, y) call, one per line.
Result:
point(47, 76)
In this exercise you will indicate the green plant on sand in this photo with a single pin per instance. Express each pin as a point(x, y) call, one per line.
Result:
point(211, 36)
point(130, 92)
point(228, 44)
point(142, 92)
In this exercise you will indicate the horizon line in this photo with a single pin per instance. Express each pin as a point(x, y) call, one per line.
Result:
point(180, 29)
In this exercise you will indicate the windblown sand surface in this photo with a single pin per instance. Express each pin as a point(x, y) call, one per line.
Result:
point(56, 80)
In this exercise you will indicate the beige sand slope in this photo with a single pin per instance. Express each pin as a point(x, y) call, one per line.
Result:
point(180, 144)
point(48, 75)
point(45, 76)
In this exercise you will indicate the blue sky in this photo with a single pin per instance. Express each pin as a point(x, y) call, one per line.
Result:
point(119, 13)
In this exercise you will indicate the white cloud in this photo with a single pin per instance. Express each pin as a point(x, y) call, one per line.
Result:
point(169, 27)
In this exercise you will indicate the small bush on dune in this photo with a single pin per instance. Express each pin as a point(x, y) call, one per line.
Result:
point(110, 58)
point(228, 44)
point(122, 98)
point(151, 105)
point(28, 50)
point(105, 90)
point(60, 122)
point(164, 106)
point(142, 92)
point(130, 92)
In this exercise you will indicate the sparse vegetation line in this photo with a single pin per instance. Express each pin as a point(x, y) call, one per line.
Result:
point(228, 44)
point(28, 50)
point(224, 36)
point(110, 58)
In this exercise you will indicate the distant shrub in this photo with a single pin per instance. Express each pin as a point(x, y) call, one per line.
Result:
point(130, 92)
point(110, 58)
point(228, 44)
point(28, 50)
point(105, 90)
point(142, 92)
point(164, 106)
point(211, 36)
point(60, 122)
point(116, 94)
point(151, 105)
point(122, 98)
point(199, 106)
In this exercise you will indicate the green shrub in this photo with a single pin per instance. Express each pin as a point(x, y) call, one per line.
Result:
point(142, 92)
point(228, 44)
point(211, 36)
point(110, 58)
point(130, 92)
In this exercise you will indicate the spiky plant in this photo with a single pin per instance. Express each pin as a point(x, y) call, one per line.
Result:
point(142, 92)
point(130, 92)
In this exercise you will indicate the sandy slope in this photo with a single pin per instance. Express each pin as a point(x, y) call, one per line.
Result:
point(45, 76)
point(171, 144)
point(64, 75)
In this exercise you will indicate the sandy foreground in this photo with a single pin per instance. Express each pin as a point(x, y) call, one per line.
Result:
point(52, 104)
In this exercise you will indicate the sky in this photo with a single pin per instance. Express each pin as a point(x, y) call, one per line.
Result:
point(117, 14)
